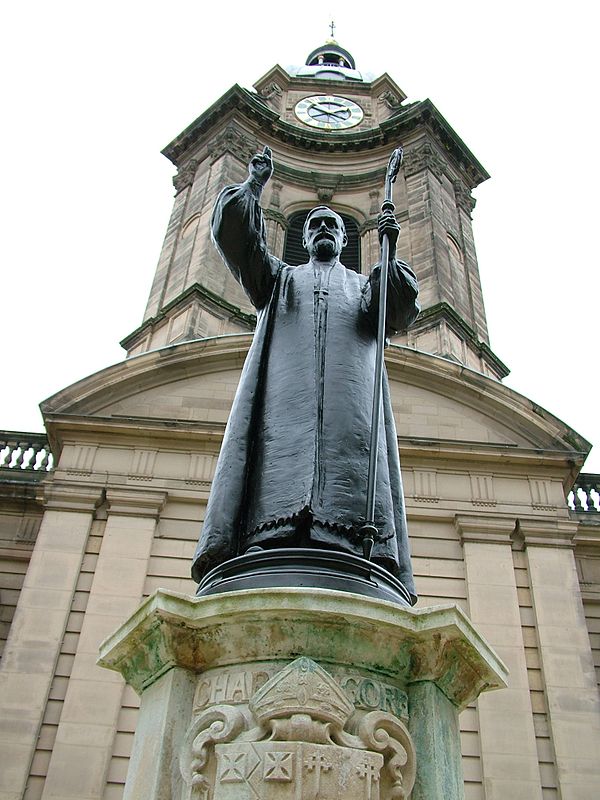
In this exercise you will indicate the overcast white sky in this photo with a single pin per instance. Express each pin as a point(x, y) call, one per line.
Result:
point(92, 91)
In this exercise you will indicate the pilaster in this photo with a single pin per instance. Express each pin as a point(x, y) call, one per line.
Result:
point(92, 703)
point(508, 745)
point(566, 656)
point(38, 628)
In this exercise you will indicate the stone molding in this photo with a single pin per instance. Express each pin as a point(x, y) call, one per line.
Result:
point(418, 116)
point(276, 187)
point(431, 644)
point(271, 94)
point(390, 100)
point(235, 140)
point(72, 497)
point(548, 533)
point(132, 503)
point(185, 175)
point(277, 217)
point(196, 293)
point(464, 198)
point(423, 157)
point(487, 530)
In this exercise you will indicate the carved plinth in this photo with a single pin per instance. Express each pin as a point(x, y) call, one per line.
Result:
point(272, 694)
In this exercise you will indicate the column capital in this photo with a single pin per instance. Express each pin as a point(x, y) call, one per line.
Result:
point(485, 529)
point(72, 497)
point(133, 503)
point(548, 533)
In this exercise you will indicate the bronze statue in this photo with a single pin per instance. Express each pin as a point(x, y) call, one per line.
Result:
point(293, 466)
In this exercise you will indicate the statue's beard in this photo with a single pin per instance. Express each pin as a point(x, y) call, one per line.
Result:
point(325, 249)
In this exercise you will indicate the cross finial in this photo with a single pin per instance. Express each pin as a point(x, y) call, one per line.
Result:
point(332, 26)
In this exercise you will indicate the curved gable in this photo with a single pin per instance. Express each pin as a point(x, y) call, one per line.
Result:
point(433, 398)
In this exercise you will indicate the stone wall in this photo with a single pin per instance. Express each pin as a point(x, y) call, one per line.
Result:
point(490, 531)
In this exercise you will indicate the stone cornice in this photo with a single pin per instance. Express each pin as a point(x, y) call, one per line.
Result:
point(399, 125)
point(423, 156)
point(587, 538)
point(196, 290)
point(132, 503)
point(72, 497)
point(487, 530)
point(431, 315)
point(233, 139)
point(431, 644)
point(333, 180)
point(547, 533)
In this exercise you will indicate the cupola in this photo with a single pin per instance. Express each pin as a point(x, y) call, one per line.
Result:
point(330, 62)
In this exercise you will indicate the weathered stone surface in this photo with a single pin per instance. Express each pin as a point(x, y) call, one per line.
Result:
point(436, 644)
point(435, 732)
point(277, 693)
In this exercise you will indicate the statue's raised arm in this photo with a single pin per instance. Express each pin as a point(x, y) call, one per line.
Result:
point(238, 231)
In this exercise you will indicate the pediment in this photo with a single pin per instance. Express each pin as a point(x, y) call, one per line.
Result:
point(434, 399)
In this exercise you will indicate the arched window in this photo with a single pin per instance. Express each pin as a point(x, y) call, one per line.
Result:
point(294, 253)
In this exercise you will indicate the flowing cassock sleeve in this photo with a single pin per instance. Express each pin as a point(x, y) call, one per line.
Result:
point(402, 303)
point(238, 231)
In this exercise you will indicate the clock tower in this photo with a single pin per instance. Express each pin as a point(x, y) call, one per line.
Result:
point(115, 520)
point(331, 129)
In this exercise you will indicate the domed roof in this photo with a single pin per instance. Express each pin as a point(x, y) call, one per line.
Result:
point(330, 62)
point(331, 54)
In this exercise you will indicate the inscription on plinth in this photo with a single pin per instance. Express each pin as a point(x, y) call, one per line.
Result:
point(235, 686)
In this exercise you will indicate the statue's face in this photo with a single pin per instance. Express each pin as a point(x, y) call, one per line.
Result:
point(324, 234)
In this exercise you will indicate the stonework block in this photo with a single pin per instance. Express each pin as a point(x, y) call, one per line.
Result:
point(246, 716)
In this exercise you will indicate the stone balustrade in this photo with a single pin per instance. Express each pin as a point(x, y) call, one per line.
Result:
point(585, 495)
point(25, 451)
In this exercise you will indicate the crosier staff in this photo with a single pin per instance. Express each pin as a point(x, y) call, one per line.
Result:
point(369, 530)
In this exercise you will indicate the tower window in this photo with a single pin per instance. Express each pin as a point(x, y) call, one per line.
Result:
point(294, 253)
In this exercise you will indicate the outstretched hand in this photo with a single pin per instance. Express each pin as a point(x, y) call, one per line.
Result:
point(386, 224)
point(261, 167)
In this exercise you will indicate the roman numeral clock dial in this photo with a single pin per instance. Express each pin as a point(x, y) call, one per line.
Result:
point(328, 112)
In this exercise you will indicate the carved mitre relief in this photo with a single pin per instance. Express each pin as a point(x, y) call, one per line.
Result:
point(298, 738)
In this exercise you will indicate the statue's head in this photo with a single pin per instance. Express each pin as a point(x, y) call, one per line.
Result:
point(324, 234)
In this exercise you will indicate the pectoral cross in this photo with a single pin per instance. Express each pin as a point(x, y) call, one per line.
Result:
point(320, 293)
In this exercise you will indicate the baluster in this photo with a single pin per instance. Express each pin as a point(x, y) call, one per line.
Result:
point(589, 497)
point(23, 446)
point(578, 505)
point(5, 459)
point(29, 457)
point(37, 449)
point(43, 466)
point(13, 446)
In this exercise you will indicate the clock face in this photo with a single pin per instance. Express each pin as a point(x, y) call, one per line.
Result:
point(328, 112)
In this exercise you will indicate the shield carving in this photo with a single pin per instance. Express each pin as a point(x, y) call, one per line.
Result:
point(295, 771)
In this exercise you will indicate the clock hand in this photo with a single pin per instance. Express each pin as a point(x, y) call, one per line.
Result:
point(341, 110)
point(332, 111)
point(321, 109)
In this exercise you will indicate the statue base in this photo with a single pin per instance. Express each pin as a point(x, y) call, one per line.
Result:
point(298, 693)
point(304, 567)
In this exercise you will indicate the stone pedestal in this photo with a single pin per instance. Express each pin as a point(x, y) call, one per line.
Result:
point(298, 694)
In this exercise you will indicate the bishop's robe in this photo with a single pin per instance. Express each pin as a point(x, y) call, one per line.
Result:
point(297, 440)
